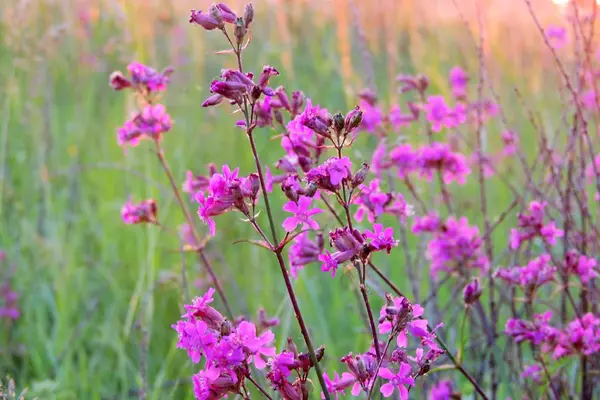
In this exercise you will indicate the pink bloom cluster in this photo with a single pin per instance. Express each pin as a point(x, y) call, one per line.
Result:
point(351, 244)
point(580, 265)
point(399, 319)
point(226, 191)
point(455, 246)
point(142, 78)
point(556, 36)
point(374, 202)
point(235, 85)
point(536, 273)
point(151, 123)
point(531, 225)
point(443, 390)
point(227, 349)
point(143, 212)
point(580, 337)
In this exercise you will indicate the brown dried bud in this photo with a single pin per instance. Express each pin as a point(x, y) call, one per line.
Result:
point(291, 346)
point(360, 175)
point(248, 14)
point(226, 328)
point(239, 31)
point(338, 123)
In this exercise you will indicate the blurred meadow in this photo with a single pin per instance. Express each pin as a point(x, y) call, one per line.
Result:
point(97, 298)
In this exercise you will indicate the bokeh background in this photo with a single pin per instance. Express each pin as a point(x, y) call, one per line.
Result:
point(96, 296)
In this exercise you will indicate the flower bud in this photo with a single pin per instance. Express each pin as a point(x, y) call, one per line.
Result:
point(226, 328)
point(422, 83)
point(227, 13)
point(289, 190)
point(320, 241)
point(353, 119)
point(255, 92)
point(266, 74)
point(239, 31)
point(472, 292)
point(369, 96)
point(320, 353)
point(212, 169)
point(217, 15)
point(212, 100)
point(278, 117)
point(310, 189)
point(204, 20)
point(297, 102)
point(338, 123)
point(254, 183)
point(283, 98)
point(291, 346)
point(248, 14)
point(118, 82)
point(360, 175)
point(305, 163)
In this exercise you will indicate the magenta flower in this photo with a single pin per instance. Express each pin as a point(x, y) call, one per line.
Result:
point(397, 381)
point(381, 239)
point(533, 371)
point(536, 332)
point(400, 120)
point(302, 214)
point(531, 225)
point(459, 81)
point(142, 78)
point(256, 346)
point(581, 337)
point(212, 383)
point(195, 183)
point(338, 385)
point(329, 175)
point(195, 337)
point(441, 391)
point(143, 212)
point(372, 116)
point(329, 263)
point(363, 368)
point(511, 141)
point(304, 251)
point(437, 112)
point(439, 157)
point(151, 122)
point(472, 292)
point(200, 309)
point(535, 274)
point(374, 202)
point(580, 265)
point(557, 36)
point(405, 159)
point(455, 245)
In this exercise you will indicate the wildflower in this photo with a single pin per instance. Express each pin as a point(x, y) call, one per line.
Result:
point(437, 112)
point(143, 212)
point(264, 321)
point(329, 175)
point(330, 263)
point(536, 332)
point(531, 225)
point(438, 157)
point(374, 203)
point(195, 183)
point(533, 371)
point(372, 116)
point(535, 274)
point(304, 251)
point(458, 81)
point(510, 140)
point(195, 337)
point(381, 238)
point(302, 214)
point(200, 309)
point(363, 368)
point(338, 385)
point(316, 119)
point(405, 159)
point(399, 120)
point(397, 381)
point(255, 346)
point(582, 336)
point(580, 265)
point(472, 292)
point(353, 120)
point(455, 245)
point(557, 36)
point(142, 78)
point(151, 123)
point(441, 391)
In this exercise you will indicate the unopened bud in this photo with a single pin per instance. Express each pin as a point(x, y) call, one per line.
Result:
point(353, 119)
point(283, 98)
point(239, 31)
point(291, 346)
point(472, 292)
point(320, 353)
point(290, 191)
point(305, 163)
point(226, 328)
point(360, 366)
point(248, 14)
point(338, 123)
point(310, 189)
point(360, 175)
point(297, 102)
point(118, 81)
point(254, 184)
point(214, 12)
point(320, 241)
point(255, 92)
point(422, 83)
point(212, 169)
point(278, 117)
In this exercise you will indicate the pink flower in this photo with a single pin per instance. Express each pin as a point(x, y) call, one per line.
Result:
point(511, 141)
point(437, 112)
point(151, 122)
point(302, 214)
point(329, 263)
point(195, 337)
point(304, 251)
point(372, 116)
point(195, 183)
point(397, 381)
point(533, 371)
point(256, 346)
point(459, 81)
point(329, 175)
point(439, 157)
point(142, 78)
point(381, 239)
point(374, 202)
point(212, 383)
point(405, 159)
point(537, 332)
point(557, 36)
point(580, 265)
point(143, 212)
point(399, 120)
point(200, 309)
point(441, 391)
point(535, 274)
point(531, 225)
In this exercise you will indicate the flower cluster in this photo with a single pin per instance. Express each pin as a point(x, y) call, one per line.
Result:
point(150, 123)
point(227, 349)
point(455, 247)
point(536, 273)
point(227, 191)
point(374, 202)
point(531, 225)
point(141, 78)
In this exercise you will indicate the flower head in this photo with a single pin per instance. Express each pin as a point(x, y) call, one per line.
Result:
point(302, 214)
point(381, 239)
point(143, 212)
point(397, 381)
